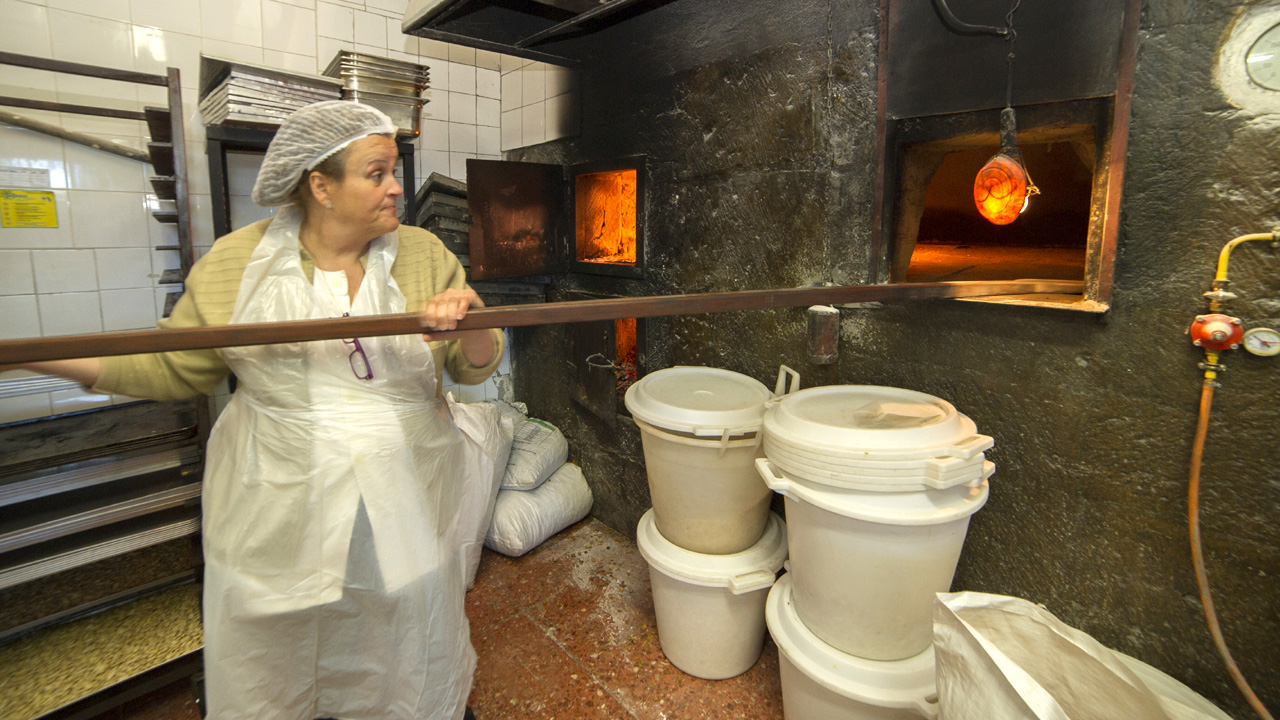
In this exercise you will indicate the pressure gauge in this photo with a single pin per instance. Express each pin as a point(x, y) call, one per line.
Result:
point(1262, 341)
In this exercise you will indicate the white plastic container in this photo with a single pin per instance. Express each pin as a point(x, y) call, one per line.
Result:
point(710, 608)
point(700, 429)
point(866, 565)
point(820, 682)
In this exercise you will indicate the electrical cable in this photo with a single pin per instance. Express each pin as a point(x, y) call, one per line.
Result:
point(1197, 554)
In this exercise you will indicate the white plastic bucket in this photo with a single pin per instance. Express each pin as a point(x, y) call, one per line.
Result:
point(819, 681)
point(710, 608)
point(707, 495)
point(866, 565)
point(699, 428)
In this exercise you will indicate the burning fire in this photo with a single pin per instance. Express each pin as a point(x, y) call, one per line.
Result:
point(625, 367)
point(606, 217)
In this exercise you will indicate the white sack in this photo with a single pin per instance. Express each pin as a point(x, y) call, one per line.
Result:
point(523, 519)
point(489, 433)
point(539, 449)
point(1004, 657)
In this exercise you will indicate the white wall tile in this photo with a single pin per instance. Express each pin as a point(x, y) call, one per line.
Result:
point(94, 40)
point(16, 274)
point(461, 54)
point(133, 309)
point(180, 16)
point(234, 21)
point(308, 4)
point(335, 21)
point(435, 135)
point(78, 90)
point(434, 49)
point(70, 313)
point(435, 161)
point(397, 40)
point(288, 61)
point(435, 105)
point(458, 165)
point(560, 80)
point(439, 71)
point(371, 29)
point(327, 49)
point(57, 237)
point(488, 141)
point(488, 83)
point(488, 112)
point(288, 28)
point(512, 91)
point(202, 220)
point(392, 7)
point(232, 50)
point(25, 29)
point(462, 78)
point(488, 60)
point(533, 123)
point(68, 401)
point(110, 219)
point(511, 63)
point(24, 148)
point(155, 51)
point(462, 138)
point(122, 268)
point(462, 108)
point(19, 317)
point(24, 407)
point(512, 130)
point(533, 81)
point(64, 271)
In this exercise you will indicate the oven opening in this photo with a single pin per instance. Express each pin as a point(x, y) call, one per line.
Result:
point(605, 217)
point(625, 364)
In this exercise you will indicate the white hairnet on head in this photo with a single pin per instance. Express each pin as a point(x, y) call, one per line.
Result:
point(308, 137)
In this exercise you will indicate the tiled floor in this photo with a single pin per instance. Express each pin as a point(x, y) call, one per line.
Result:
point(567, 633)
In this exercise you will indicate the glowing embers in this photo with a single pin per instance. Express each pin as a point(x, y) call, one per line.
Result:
point(1001, 189)
point(606, 211)
point(625, 365)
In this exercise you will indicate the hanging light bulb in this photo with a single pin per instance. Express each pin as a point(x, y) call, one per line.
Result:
point(1002, 189)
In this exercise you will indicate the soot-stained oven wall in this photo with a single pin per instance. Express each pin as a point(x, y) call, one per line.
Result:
point(758, 125)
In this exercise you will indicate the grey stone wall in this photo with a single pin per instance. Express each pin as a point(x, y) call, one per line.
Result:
point(758, 119)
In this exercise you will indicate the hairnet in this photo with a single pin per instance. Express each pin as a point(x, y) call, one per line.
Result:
point(307, 137)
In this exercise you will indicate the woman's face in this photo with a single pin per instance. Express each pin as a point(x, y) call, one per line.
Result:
point(366, 195)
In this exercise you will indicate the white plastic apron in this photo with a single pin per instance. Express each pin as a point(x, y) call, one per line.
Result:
point(332, 581)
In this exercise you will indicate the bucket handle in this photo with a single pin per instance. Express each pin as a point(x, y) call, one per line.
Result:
point(752, 581)
point(970, 446)
point(783, 372)
point(776, 481)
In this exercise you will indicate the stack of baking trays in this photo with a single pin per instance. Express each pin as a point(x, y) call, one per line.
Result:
point(238, 93)
point(393, 86)
point(442, 209)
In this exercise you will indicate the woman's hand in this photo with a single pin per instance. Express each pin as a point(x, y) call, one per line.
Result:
point(442, 314)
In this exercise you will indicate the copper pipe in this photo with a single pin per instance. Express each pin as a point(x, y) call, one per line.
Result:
point(152, 341)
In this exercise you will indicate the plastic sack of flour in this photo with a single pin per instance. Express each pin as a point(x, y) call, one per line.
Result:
point(1005, 657)
point(523, 519)
point(539, 449)
point(488, 432)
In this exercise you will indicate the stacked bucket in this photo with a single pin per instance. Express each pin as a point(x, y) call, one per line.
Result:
point(713, 547)
point(879, 485)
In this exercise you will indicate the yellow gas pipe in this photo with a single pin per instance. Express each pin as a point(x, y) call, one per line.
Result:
point(1217, 297)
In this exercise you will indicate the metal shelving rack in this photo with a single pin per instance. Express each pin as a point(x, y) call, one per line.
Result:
point(91, 487)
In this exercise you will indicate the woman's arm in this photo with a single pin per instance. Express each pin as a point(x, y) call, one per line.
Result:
point(82, 370)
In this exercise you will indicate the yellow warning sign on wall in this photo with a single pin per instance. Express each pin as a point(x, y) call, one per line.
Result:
point(28, 209)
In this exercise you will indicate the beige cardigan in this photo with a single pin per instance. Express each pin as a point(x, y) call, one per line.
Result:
point(423, 268)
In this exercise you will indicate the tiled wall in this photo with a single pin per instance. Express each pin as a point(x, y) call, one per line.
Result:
point(97, 271)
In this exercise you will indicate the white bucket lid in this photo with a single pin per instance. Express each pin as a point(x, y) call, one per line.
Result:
point(899, 684)
point(704, 401)
point(740, 572)
point(929, 507)
point(867, 418)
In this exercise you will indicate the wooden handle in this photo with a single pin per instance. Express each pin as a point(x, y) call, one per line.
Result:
point(152, 341)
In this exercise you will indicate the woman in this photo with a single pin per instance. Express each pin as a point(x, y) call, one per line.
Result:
point(333, 586)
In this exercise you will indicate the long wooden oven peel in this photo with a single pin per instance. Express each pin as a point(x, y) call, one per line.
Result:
point(151, 341)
